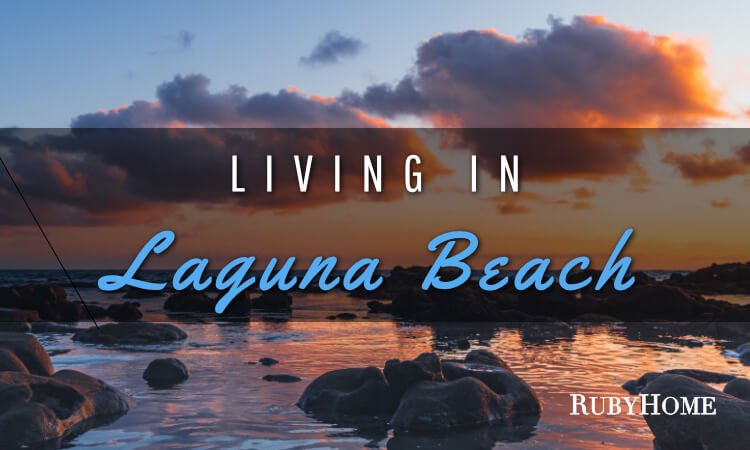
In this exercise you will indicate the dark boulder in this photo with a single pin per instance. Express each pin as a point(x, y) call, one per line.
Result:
point(274, 300)
point(240, 306)
point(348, 392)
point(125, 312)
point(635, 387)
point(130, 333)
point(655, 302)
point(189, 301)
point(266, 361)
point(520, 403)
point(28, 350)
point(486, 358)
point(9, 362)
point(402, 374)
point(429, 407)
point(39, 408)
point(165, 372)
point(729, 428)
point(739, 387)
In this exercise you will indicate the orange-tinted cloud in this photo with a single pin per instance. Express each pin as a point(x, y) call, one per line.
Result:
point(588, 73)
point(707, 166)
point(720, 204)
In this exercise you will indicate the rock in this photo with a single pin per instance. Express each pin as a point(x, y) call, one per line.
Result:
point(702, 375)
point(635, 387)
point(430, 407)
point(486, 358)
point(189, 301)
point(282, 378)
point(273, 301)
point(130, 333)
point(39, 408)
point(268, 361)
point(728, 429)
point(731, 278)
point(347, 392)
point(49, 301)
point(463, 344)
point(18, 315)
point(402, 374)
point(655, 302)
point(165, 372)
point(346, 316)
point(519, 400)
point(29, 351)
point(240, 306)
point(739, 387)
point(9, 362)
point(15, 327)
point(125, 312)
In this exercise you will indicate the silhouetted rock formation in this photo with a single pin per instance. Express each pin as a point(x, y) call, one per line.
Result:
point(38, 406)
point(426, 395)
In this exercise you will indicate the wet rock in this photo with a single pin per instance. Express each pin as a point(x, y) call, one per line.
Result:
point(731, 278)
point(635, 387)
point(728, 429)
point(189, 301)
point(273, 301)
point(402, 374)
point(518, 398)
point(655, 302)
point(357, 391)
point(739, 387)
point(130, 333)
point(18, 315)
point(240, 306)
point(49, 301)
point(50, 327)
point(429, 407)
point(282, 378)
point(743, 353)
point(463, 344)
point(165, 372)
point(9, 362)
point(486, 358)
point(345, 316)
point(28, 350)
point(39, 408)
point(125, 312)
point(15, 327)
point(702, 375)
point(268, 361)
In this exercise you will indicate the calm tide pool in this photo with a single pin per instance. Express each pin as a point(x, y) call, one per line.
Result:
point(226, 404)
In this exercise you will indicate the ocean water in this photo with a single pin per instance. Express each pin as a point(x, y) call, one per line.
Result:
point(226, 404)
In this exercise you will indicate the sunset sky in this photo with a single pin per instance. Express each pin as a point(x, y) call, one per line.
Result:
point(440, 64)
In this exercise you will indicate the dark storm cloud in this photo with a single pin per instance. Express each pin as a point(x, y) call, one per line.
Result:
point(332, 48)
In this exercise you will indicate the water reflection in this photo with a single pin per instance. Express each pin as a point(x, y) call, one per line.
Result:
point(226, 403)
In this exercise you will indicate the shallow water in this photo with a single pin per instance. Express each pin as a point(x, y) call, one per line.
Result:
point(226, 404)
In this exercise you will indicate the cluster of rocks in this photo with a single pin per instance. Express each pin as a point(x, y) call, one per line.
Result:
point(35, 303)
point(41, 405)
point(425, 395)
point(646, 300)
point(189, 301)
point(732, 278)
point(729, 428)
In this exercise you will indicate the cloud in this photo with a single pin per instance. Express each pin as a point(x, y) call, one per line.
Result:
point(185, 39)
point(720, 204)
point(95, 176)
point(586, 73)
point(186, 100)
point(332, 48)
point(583, 193)
point(705, 167)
